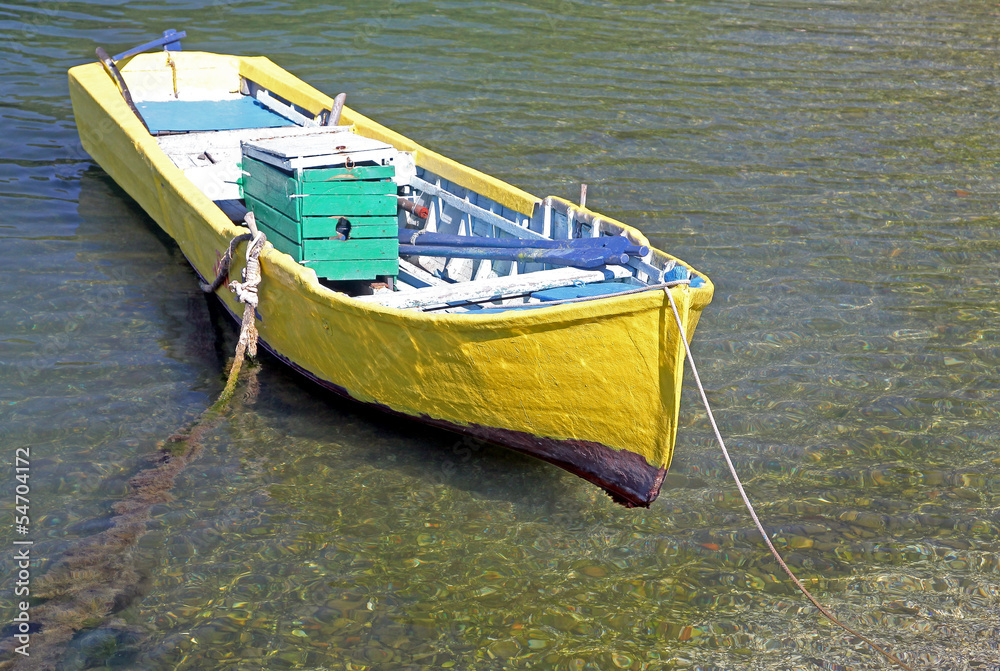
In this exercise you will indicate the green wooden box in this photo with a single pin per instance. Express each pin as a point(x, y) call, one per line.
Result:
point(300, 212)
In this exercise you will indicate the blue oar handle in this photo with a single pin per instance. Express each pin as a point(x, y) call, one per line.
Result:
point(169, 42)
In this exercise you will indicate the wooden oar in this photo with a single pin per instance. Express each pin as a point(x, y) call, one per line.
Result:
point(115, 74)
point(333, 118)
point(612, 243)
point(593, 257)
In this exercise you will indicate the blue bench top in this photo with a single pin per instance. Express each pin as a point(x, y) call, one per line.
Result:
point(206, 115)
point(596, 289)
point(561, 294)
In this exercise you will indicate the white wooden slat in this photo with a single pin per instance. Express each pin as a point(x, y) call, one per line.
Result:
point(484, 270)
point(322, 142)
point(495, 288)
point(654, 274)
point(320, 149)
point(287, 111)
point(477, 212)
point(412, 273)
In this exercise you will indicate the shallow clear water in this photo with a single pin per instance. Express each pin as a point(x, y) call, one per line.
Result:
point(831, 165)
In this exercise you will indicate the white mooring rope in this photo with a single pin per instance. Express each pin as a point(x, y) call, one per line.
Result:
point(746, 501)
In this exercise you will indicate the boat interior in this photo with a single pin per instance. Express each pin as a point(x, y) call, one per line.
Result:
point(482, 257)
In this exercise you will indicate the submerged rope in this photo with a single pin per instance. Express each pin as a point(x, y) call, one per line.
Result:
point(96, 576)
point(746, 501)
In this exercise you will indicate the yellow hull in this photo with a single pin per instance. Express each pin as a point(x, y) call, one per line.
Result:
point(592, 386)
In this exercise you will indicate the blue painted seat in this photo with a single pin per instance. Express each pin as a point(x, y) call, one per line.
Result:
point(205, 115)
point(475, 309)
point(586, 291)
point(582, 291)
point(561, 294)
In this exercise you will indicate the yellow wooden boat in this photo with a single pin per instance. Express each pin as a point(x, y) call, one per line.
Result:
point(577, 362)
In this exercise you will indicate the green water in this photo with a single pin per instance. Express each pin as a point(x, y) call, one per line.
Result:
point(831, 165)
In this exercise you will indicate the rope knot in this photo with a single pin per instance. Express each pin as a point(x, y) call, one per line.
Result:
point(246, 291)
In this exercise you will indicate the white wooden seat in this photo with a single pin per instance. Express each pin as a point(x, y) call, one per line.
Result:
point(494, 288)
